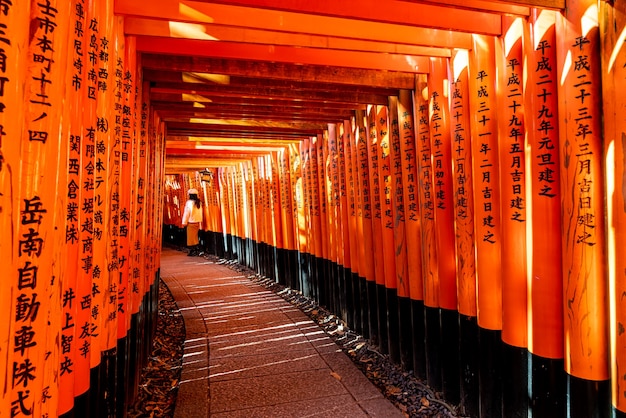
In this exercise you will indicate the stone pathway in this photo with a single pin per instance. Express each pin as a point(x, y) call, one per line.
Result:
point(249, 353)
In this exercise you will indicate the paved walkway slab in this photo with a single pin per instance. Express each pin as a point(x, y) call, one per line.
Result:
point(249, 353)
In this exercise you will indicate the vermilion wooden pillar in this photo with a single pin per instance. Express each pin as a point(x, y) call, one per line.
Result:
point(353, 196)
point(396, 338)
point(33, 359)
point(513, 168)
point(412, 313)
point(377, 226)
point(11, 125)
point(385, 175)
point(364, 212)
point(483, 108)
point(612, 24)
point(583, 223)
point(430, 272)
point(464, 230)
point(440, 134)
point(344, 215)
point(545, 311)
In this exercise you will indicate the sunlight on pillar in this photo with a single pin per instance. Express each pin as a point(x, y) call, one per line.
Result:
point(512, 35)
point(619, 44)
point(611, 258)
point(589, 21)
point(460, 63)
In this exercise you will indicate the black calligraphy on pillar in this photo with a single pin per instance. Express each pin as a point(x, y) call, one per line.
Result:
point(428, 208)
point(517, 204)
point(584, 120)
point(546, 158)
point(460, 151)
point(485, 158)
point(437, 136)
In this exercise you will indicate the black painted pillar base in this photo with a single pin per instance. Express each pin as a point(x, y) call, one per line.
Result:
point(617, 414)
point(320, 279)
point(393, 325)
point(348, 296)
point(469, 360)
point(514, 381)
point(450, 368)
point(433, 350)
point(305, 274)
point(548, 385)
point(356, 300)
point(419, 339)
point(365, 308)
point(123, 372)
point(490, 373)
point(383, 332)
point(81, 405)
point(588, 398)
point(372, 303)
point(294, 266)
point(340, 293)
point(97, 408)
point(405, 333)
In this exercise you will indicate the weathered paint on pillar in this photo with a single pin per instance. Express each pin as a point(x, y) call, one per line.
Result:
point(385, 173)
point(512, 147)
point(426, 196)
point(545, 289)
point(463, 185)
point(439, 123)
point(376, 196)
point(582, 192)
point(410, 179)
point(397, 202)
point(612, 25)
point(483, 108)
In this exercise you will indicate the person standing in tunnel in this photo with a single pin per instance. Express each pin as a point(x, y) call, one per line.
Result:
point(192, 220)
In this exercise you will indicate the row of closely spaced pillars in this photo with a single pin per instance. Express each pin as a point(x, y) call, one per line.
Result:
point(471, 227)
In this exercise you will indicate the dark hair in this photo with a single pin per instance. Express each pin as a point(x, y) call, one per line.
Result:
point(195, 198)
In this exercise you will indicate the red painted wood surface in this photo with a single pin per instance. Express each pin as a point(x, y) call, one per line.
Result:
point(397, 202)
point(463, 184)
point(410, 180)
point(441, 148)
point(426, 196)
point(483, 108)
point(582, 193)
point(614, 110)
point(513, 167)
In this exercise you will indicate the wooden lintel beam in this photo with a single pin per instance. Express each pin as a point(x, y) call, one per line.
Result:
point(226, 91)
point(222, 82)
point(283, 54)
point(181, 134)
point(228, 33)
point(280, 71)
point(239, 123)
point(250, 102)
point(213, 127)
point(266, 118)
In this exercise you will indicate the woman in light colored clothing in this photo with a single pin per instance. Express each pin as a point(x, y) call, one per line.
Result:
point(192, 220)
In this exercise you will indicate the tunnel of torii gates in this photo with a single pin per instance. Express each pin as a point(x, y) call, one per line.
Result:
point(473, 227)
